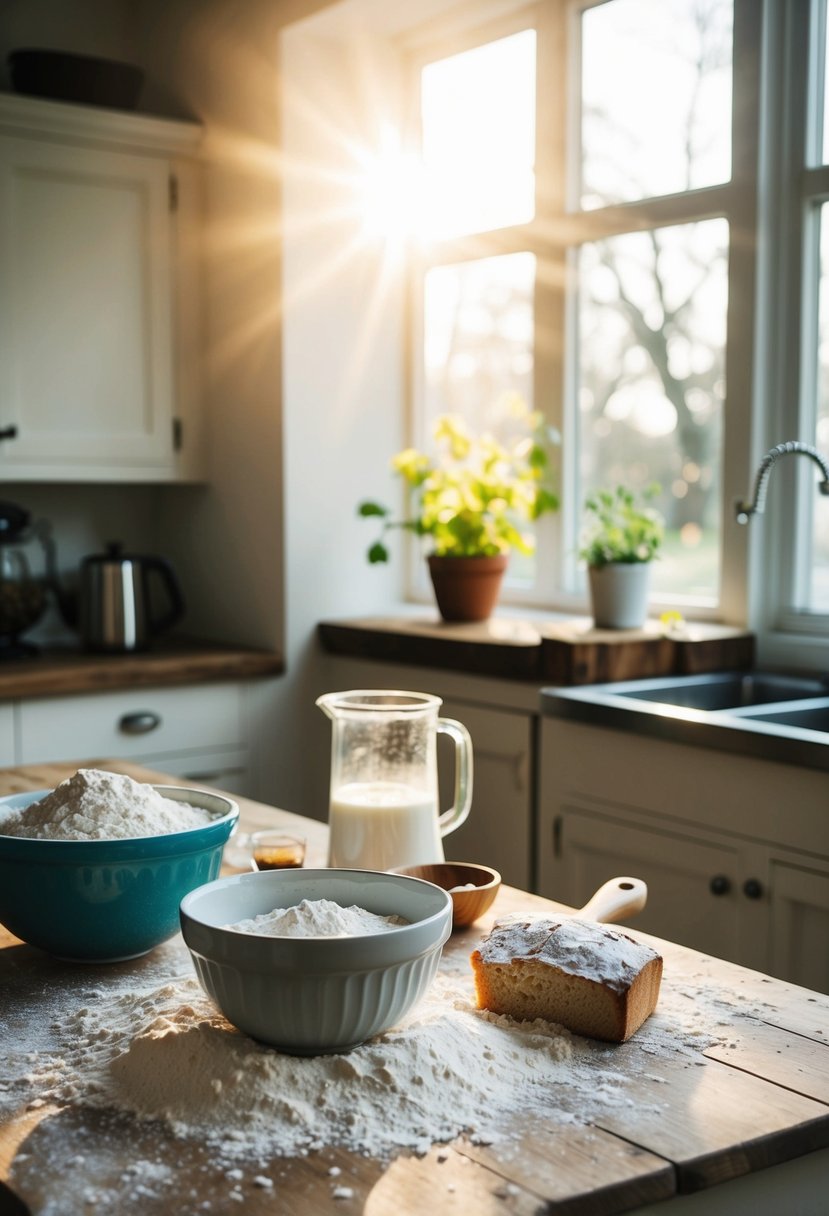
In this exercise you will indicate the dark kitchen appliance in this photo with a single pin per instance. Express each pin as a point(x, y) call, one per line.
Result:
point(125, 601)
point(22, 596)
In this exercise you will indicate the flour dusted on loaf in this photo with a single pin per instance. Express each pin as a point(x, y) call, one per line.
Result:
point(94, 805)
point(594, 980)
point(318, 918)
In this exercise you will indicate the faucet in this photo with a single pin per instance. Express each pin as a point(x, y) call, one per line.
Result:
point(745, 509)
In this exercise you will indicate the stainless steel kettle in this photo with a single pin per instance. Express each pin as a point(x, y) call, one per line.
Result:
point(118, 600)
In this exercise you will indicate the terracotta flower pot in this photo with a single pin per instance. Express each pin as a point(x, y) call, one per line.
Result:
point(467, 588)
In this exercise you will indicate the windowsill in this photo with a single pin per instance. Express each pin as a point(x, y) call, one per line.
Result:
point(544, 648)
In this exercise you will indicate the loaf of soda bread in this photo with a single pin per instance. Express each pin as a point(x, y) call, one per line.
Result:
point(591, 978)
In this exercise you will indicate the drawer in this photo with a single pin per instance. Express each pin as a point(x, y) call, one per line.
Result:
point(127, 725)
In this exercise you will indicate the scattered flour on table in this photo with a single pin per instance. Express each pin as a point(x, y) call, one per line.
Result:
point(94, 805)
point(317, 918)
point(146, 1040)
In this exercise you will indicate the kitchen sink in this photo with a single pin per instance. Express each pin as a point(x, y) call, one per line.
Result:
point(812, 716)
point(769, 715)
point(722, 690)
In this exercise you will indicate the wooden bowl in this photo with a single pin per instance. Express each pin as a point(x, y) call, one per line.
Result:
point(468, 904)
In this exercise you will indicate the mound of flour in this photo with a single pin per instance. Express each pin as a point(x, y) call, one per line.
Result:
point(317, 918)
point(93, 805)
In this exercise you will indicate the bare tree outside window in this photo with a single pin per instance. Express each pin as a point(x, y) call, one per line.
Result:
point(652, 305)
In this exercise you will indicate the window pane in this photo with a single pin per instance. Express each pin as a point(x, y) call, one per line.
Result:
point(478, 337)
point(819, 598)
point(652, 325)
point(656, 98)
point(478, 113)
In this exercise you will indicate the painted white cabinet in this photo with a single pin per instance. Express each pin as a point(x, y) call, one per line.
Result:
point(98, 294)
point(735, 851)
point(8, 752)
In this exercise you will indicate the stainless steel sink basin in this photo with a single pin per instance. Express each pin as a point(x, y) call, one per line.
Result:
point(814, 716)
point(768, 715)
point(722, 690)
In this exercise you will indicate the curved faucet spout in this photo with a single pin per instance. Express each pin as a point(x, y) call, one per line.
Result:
point(746, 509)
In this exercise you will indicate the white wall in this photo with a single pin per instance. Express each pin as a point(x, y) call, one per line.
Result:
point(304, 365)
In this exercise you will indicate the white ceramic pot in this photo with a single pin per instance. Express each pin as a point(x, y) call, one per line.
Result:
point(619, 593)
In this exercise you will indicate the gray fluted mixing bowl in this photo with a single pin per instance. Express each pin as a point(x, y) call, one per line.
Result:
point(310, 995)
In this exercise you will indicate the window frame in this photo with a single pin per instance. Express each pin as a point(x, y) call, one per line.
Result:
point(557, 26)
point(798, 184)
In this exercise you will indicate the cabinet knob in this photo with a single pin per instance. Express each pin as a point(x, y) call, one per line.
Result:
point(8, 432)
point(752, 889)
point(719, 885)
point(139, 723)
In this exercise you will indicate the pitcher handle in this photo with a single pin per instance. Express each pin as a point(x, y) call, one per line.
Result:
point(457, 814)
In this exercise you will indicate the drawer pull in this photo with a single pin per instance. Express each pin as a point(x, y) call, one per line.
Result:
point(719, 885)
point(139, 723)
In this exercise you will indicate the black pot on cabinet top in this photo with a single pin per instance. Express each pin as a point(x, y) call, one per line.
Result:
point(119, 600)
point(84, 79)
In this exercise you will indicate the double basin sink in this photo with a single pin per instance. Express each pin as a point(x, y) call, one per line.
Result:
point(769, 714)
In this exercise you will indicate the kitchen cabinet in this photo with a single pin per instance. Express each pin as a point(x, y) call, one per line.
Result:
point(99, 266)
point(197, 733)
point(498, 831)
point(7, 744)
point(735, 851)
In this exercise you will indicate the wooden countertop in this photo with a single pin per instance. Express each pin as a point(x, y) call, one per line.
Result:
point(544, 650)
point(60, 673)
point(758, 1096)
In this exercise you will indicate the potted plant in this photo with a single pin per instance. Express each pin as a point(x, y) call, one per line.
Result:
point(470, 500)
point(622, 535)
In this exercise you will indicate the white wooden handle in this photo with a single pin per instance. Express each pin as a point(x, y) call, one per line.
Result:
point(616, 900)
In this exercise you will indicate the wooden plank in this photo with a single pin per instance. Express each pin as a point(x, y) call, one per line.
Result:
point(506, 649)
point(790, 1060)
point(560, 1164)
point(715, 1122)
point(53, 674)
point(578, 653)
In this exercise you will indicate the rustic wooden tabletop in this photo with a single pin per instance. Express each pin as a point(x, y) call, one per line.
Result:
point(755, 1095)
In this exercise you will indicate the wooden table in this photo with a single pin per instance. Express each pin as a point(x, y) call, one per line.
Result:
point(746, 1121)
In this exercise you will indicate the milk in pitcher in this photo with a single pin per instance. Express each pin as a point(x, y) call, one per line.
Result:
point(375, 824)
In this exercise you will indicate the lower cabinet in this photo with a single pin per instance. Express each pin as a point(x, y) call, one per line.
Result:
point(722, 877)
point(498, 830)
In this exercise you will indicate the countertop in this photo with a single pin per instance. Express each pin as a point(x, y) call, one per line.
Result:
point(704, 1110)
point(63, 672)
point(545, 649)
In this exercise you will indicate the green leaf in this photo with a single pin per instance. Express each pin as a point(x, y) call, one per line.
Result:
point(372, 508)
point(378, 553)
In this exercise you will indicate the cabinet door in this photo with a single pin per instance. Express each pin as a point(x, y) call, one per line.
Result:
point(498, 830)
point(800, 922)
point(86, 373)
point(681, 873)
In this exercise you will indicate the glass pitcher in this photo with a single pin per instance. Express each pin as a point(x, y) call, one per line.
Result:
point(383, 811)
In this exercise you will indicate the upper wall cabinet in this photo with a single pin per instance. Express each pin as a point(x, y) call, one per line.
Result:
point(99, 295)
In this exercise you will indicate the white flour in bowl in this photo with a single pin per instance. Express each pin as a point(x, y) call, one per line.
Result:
point(317, 918)
point(94, 805)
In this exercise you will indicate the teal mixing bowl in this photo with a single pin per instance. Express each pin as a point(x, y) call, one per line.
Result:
point(108, 900)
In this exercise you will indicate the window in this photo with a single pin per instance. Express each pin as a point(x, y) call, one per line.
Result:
point(598, 175)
